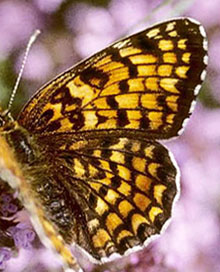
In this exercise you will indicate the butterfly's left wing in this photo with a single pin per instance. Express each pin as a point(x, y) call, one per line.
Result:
point(107, 194)
point(147, 82)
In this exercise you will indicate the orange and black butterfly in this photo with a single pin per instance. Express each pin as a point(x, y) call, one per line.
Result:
point(92, 171)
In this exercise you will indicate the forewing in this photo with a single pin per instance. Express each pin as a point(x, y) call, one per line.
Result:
point(117, 193)
point(145, 82)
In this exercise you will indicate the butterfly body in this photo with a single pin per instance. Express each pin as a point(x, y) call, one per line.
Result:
point(87, 142)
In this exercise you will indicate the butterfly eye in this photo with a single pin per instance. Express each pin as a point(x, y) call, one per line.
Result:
point(1, 121)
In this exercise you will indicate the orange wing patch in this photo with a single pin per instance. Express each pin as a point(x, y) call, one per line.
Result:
point(167, 59)
point(126, 192)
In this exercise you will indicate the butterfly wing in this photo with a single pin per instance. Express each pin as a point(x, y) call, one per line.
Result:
point(103, 180)
point(108, 194)
point(146, 82)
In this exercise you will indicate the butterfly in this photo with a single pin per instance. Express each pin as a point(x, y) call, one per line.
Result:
point(85, 154)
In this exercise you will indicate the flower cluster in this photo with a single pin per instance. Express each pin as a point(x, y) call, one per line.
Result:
point(13, 234)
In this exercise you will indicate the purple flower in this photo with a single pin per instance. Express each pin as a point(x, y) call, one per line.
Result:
point(6, 197)
point(5, 255)
point(13, 235)
point(23, 235)
point(8, 204)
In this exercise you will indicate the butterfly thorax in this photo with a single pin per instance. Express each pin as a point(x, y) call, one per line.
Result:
point(19, 141)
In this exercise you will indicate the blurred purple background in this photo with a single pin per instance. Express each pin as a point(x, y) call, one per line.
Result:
point(72, 30)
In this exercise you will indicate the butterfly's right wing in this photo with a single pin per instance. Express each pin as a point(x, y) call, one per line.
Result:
point(146, 82)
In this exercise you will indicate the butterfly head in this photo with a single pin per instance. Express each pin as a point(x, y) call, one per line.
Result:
point(6, 121)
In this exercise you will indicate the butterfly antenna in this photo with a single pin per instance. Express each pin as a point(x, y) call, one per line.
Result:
point(30, 42)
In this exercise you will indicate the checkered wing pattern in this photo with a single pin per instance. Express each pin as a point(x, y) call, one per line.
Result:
point(105, 182)
point(145, 82)
point(119, 192)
